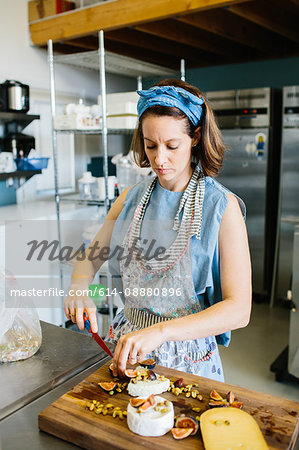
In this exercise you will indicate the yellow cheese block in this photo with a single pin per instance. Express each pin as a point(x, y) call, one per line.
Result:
point(230, 429)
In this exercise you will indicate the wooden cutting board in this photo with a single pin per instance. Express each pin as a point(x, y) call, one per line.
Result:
point(68, 418)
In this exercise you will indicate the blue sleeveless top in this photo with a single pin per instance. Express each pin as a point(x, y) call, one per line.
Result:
point(157, 225)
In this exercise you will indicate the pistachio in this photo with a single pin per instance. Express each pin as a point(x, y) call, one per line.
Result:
point(164, 410)
point(124, 413)
point(120, 415)
point(196, 409)
point(199, 397)
point(111, 392)
point(188, 394)
point(197, 418)
point(98, 410)
point(105, 412)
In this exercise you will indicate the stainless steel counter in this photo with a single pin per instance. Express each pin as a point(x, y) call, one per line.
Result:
point(62, 355)
point(20, 431)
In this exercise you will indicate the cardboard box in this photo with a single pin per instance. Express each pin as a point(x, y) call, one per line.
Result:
point(38, 9)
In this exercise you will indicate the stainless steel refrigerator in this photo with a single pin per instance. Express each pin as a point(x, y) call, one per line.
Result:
point(289, 205)
point(250, 121)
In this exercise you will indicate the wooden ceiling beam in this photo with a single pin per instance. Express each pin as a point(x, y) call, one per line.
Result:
point(273, 18)
point(87, 43)
point(153, 57)
point(225, 24)
point(114, 15)
point(181, 33)
point(152, 43)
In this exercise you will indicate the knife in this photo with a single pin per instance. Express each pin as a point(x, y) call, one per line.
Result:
point(96, 337)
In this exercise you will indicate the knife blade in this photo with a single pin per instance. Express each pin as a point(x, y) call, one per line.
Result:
point(96, 337)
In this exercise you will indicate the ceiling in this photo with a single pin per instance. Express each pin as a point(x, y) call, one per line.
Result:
point(203, 32)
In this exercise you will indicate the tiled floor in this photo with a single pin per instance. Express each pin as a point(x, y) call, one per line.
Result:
point(247, 360)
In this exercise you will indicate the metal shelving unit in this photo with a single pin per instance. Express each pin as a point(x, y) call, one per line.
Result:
point(20, 120)
point(95, 131)
point(102, 62)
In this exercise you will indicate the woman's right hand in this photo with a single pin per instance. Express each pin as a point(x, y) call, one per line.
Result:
point(74, 307)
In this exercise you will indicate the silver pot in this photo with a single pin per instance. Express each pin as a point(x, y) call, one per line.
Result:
point(17, 95)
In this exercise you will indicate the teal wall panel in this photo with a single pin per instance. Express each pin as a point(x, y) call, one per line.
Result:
point(273, 73)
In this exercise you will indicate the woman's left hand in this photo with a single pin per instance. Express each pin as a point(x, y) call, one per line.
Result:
point(134, 346)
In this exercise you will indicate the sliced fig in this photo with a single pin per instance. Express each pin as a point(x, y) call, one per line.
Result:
point(181, 433)
point(230, 397)
point(136, 402)
point(179, 382)
point(151, 375)
point(215, 396)
point(108, 385)
point(111, 369)
point(237, 405)
point(149, 363)
point(150, 403)
point(187, 422)
point(131, 373)
point(218, 403)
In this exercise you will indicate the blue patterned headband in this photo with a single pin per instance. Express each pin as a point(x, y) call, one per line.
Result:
point(174, 97)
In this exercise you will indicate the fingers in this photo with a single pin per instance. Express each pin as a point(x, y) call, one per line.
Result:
point(126, 350)
point(92, 315)
point(79, 318)
point(132, 358)
point(74, 310)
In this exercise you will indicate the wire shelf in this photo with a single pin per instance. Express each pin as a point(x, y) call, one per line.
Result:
point(114, 63)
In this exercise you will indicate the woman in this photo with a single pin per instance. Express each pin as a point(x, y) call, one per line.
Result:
point(183, 301)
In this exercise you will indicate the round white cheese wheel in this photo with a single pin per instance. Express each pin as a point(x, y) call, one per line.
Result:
point(146, 388)
point(151, 422)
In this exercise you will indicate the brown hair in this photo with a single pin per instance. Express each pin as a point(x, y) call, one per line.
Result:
point(210, 148)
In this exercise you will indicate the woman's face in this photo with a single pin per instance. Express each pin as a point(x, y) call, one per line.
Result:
point(168, 148)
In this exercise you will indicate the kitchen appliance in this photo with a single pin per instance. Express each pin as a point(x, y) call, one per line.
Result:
point(19, 144)
point(289, 205)
point(14, 96)
point(250, 121)
point(293, 360)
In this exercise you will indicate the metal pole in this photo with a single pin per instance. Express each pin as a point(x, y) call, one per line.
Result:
point(139, 83)
point(183, 78)
point(105, 147)
point(54, 152)
point(104, 116)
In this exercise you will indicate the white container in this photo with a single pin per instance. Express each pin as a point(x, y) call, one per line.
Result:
point(120, 97)
point(87, 186)
point(69, 108)
point(101, 187)
point(76, 122)
point(122, 122)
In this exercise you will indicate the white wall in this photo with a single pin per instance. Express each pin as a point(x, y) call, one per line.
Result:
point(21, 61)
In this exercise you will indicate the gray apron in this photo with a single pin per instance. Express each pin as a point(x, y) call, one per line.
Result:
point(156, 291)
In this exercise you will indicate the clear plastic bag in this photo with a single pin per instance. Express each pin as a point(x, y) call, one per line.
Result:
point(20, 331)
